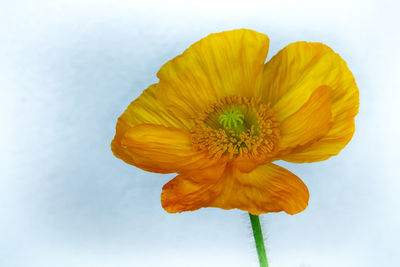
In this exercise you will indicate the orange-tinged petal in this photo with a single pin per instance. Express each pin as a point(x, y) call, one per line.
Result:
point(247, 164)
point(310, 123)
point(294, 73)
point(163, 149)
point(187, 193)
point(326, 147)
point(145, 109)
point(223, 64)
point(268, 188)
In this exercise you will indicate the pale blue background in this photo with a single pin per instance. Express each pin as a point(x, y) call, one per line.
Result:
point(68, 69)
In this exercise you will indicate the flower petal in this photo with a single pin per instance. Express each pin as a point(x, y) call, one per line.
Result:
point(145, 109)
point(163, 149)
point(187, 193)
point(219, 65)
point(294, 73)
point(268, 188)
point(310, 123)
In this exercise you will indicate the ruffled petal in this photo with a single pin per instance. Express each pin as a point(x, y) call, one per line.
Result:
point(163, 149)
point(189, 192)
point(223, 64)
point(145, 109)
point(268, 188)
point(308, 124)
point(294, 73)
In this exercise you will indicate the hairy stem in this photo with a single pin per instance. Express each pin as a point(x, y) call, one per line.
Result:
point(259, 240)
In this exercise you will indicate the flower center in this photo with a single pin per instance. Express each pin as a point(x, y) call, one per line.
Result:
point(232, 120)
point(236, 126)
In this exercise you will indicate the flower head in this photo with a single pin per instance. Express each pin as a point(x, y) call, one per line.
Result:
point(219, 116)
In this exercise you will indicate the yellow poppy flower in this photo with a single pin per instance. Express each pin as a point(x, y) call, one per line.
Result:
point(219, 116)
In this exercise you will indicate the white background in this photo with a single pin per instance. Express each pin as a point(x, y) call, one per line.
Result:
point(68, 69)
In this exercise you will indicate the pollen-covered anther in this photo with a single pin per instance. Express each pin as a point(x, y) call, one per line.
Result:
point(236, 126)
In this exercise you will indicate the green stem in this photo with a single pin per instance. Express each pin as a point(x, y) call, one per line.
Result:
point(258, 238)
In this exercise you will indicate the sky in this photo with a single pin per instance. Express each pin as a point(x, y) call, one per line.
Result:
point(69, 69)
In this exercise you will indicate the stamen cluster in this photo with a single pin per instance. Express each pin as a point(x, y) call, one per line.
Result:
point(255, 136)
